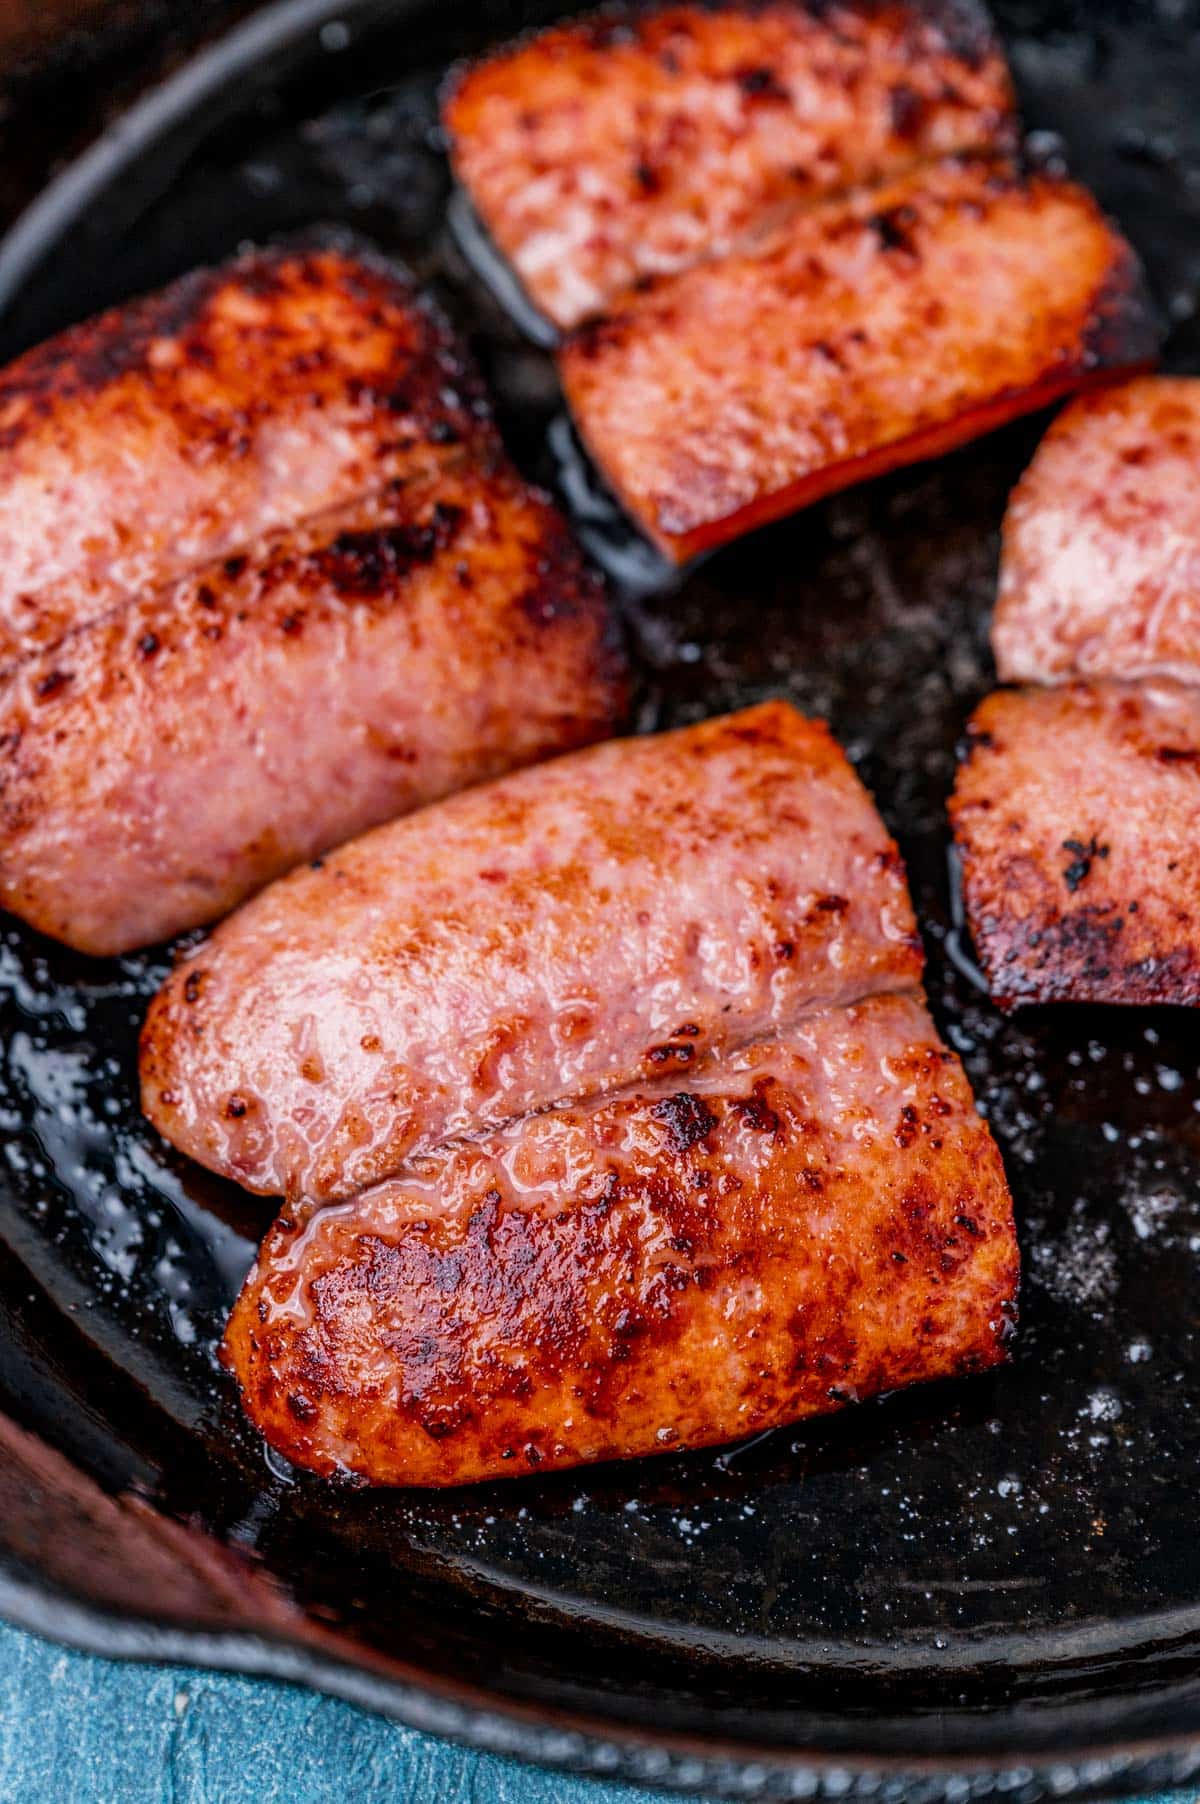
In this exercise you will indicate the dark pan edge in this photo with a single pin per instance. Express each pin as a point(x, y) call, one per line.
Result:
point(578, 1746)
point(264, 45)
point(259, 46)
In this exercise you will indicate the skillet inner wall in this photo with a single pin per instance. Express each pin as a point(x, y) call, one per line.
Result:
point(922, 1530)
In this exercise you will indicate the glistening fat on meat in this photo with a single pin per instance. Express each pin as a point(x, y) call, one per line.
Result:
point(808, 1221)
point(609, 1112)
point(586, 924)
point(268, 581)
point(177, 428)
point(162, 762)
point(636, 142)
point(878, 329)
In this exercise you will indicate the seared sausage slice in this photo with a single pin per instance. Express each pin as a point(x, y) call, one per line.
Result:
point(182, 426)
point(601, 919)
point(159, 764)
point(1100, 570)
point(634, 143)
point(796, 1225)
point(1077, 815)
point(864, 334)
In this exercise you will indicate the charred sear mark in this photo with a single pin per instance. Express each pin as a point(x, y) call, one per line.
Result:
point(1074, 956)
point(367, 563)
point(761, 83)
point(195, 325)
point(1124, 325)
point(607, 32)
point(1085, 852)
point(607, 333)
point(894, 229)
point(907, 109)
point(687, 1119)
point(908, 1126)
point(756, 1113)
point(556, 598)
point(119, 343)
point(1103, 976)
point(51, 684)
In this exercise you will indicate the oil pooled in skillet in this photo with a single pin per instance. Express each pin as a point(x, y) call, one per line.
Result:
point(917, 1522)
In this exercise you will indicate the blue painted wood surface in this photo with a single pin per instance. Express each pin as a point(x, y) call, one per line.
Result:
point(77, 1730)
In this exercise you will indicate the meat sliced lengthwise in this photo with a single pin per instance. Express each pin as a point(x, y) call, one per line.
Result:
point(637, 1131)
point(867, 333)
point(1077, 816)
point(806, 1222)
point(162, 762)
point(595, 922)
point(268, 581)
point(635, 143)
point(180, 427)
point(1100, 572)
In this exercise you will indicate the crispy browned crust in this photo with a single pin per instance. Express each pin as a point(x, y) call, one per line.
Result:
point(236, 401)
point(804, 1224)
point(1077, 817)
point(740, 391)
point(635, 142)
point(1100, 569)
point(271, 298)
point(160, 763)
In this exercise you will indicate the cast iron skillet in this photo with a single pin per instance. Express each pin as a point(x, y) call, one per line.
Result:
point(977, 1589)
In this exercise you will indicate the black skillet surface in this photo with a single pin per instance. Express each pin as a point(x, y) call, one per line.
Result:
point(983, 1587)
